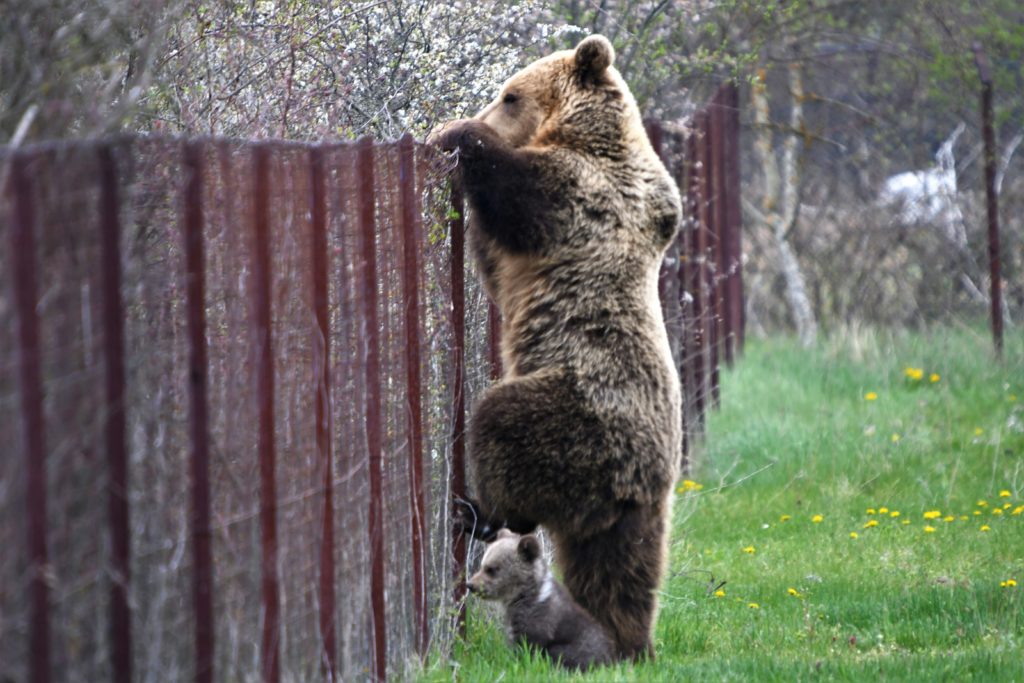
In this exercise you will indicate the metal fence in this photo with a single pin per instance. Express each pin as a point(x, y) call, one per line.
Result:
point(233, 391)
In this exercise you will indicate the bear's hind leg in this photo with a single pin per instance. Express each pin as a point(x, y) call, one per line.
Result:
point(469, 519)
point(538, 455)
point(616, 574)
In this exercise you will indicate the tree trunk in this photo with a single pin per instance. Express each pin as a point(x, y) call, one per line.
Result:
point(781, 202)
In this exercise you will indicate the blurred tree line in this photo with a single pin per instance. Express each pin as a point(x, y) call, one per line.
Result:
point(840, 96)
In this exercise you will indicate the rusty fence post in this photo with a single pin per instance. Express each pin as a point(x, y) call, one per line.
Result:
point(734, 219)
point(270, 647)
point(992, 200)
point(686, 323)
point(23, 279)
point(696, 257)
point(199, 462)
point(374, 435)
point(117, 450)
point(457, 485)
point(723, 316)
point(411, 268)
point(706, 273)
point(322, 387)
point(710, 252)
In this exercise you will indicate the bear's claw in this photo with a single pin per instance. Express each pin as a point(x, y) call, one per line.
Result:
point(469, 520)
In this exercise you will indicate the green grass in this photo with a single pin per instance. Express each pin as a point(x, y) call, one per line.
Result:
point(795, 436)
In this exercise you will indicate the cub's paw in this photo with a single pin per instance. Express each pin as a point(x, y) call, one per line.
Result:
point(468, 520)
point(462, 134)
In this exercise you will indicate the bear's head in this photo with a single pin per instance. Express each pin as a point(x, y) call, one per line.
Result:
point(572, 98)
point(511, 566)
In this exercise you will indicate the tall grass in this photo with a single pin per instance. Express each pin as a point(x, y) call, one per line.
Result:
point(796, 438)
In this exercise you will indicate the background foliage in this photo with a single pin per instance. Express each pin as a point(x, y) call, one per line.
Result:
point(884, 84)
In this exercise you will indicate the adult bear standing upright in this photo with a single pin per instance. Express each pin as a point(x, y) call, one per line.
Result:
point(571, 214)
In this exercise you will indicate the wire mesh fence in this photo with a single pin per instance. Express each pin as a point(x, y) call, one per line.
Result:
point(234, 384)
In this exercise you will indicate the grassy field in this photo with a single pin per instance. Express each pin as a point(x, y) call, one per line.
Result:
point(862, 504)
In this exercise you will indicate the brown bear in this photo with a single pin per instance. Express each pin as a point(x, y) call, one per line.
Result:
point(538, 609)
point(571, 213)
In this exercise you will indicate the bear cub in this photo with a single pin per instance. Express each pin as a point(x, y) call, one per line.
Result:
point(538, 609)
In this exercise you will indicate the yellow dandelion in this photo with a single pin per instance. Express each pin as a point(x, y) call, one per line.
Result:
point(750, 550)
point(977, 512)
point(690, 485)
point(870, 511)
point(1012, 398)
point(997, 511)
point(785, 518)
point(1018, 510)
point(986, 527)
point(1009, 583)
point(1004, 494)
point(794, 592)
point(853, 534)
point(932, 514)
point(883, 510)
point(982, 503)
point(719, 593)
point(914, 373)
point(906, 521)
point(753, 605)
point(934, 377)
point(894, 513)
point(895, 437)
point(963, 518)
point(949, 518)
point(817, 518)
point(978, 431)
point(1007, 506)
point(871, 523)
point(929, 530)
point(870, 396)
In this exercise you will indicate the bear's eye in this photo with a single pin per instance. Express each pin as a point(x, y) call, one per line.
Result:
point(491, 571)
point(510, 98)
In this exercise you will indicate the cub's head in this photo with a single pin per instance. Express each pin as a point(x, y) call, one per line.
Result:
point(512, 565)
point(573, 98)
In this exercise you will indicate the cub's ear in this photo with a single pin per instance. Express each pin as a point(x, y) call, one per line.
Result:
point(594, 55)
point(503, 532)
point(529, 548)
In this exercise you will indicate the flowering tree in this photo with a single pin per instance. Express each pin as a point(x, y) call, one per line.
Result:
point(311, 71)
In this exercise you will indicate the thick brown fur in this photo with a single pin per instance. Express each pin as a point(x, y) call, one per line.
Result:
point(539, 611)
point(571, 213)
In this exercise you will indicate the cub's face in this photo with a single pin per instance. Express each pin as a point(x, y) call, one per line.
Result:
point(530, 101)
point(510, 566)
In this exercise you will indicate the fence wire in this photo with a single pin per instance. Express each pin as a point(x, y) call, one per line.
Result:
point(233, 391)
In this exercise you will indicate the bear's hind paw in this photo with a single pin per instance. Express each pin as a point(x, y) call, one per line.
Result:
point(468, 520)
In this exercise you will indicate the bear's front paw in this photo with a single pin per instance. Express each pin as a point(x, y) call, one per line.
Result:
point(461, 134)
point(468, 520)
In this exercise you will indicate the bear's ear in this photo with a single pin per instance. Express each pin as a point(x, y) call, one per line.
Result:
point(503, 532)
point(529, 548)
point(594, 55)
